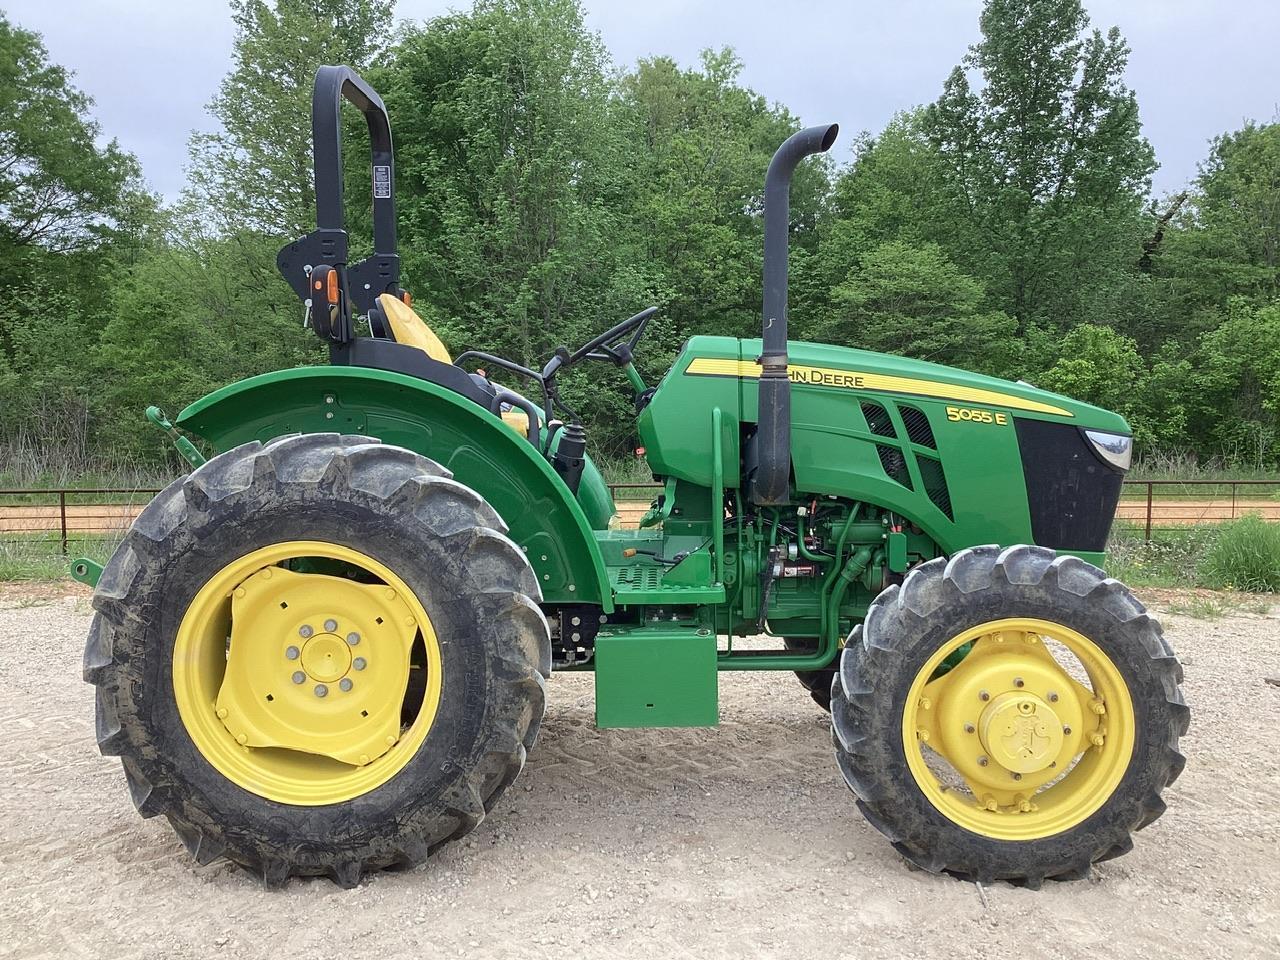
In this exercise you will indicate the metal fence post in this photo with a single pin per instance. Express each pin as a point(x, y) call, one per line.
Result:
point(62, 514)
point(1149, 486)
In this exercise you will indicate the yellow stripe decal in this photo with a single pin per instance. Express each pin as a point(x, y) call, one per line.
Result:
point(859, 380)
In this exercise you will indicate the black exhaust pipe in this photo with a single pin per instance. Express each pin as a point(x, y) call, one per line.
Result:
point(773, 436)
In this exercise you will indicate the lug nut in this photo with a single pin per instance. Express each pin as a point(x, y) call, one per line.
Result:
point(305, 630)
point(983, 695)
point(359, 663)
point(1066, 730)
point(983, 761)
point(989, 803)
point(330, 626)
point(1018, 682)
point(353, 638)
point(345, 684)
point(299, 676)
point(922, 735)
point(925, 703)
point(1097, 739)
point(321, 690)
point(1098, 707)
point(292, 653)
point(1017, 776)
point(968, 728)
point(1053, 697)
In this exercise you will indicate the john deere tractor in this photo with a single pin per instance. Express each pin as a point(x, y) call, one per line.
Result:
point(325, 650)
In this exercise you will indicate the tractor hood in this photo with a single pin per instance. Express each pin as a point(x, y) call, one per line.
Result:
point(843, 368)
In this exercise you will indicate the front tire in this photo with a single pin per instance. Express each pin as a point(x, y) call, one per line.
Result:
point(972, 752)
point(364, 531)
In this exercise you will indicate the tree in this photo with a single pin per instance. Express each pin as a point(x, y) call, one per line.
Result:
point(912, 300)
point(1046, 157)
point(254, 175)
point(59, 190)
point(702, 144)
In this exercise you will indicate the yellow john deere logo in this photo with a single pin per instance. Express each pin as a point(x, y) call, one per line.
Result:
point(861, 380)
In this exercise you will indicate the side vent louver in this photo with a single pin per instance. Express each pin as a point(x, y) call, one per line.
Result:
point(895, 464)
point(917, 424)
point(878, 419)
point(935, 483)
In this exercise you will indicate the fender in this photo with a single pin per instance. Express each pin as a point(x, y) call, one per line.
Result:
point(480, 450)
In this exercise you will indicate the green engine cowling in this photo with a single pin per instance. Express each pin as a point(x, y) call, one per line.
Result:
point(966, 459)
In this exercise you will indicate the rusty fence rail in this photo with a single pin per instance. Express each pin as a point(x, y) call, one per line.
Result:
point(76, 515)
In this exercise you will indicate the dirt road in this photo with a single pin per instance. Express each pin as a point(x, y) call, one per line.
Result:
point(114, 518)
point(738, 841)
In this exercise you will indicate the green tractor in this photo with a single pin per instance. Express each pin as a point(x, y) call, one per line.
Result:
point(325, 650)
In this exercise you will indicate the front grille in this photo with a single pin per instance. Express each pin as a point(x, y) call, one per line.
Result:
point(1071, 494)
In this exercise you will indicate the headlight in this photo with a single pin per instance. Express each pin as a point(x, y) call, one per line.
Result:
point(1114, 448)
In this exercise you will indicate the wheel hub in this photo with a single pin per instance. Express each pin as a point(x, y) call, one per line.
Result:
point(326, 658)
point(1020, 732)
point(316, 664)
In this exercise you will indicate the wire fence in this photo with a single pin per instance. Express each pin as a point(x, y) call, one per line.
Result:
point(58, 521)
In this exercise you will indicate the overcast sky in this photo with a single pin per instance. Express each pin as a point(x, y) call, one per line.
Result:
point(1200, 68)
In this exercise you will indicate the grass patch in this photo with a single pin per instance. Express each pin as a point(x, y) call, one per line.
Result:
point(1244, 556)
point(39, 557)
point(1200, 608)
point(1171, 558)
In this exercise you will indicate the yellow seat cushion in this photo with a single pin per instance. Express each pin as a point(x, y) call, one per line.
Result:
point(411, 330)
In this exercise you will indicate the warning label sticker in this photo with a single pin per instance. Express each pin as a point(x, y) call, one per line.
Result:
point(381, 182)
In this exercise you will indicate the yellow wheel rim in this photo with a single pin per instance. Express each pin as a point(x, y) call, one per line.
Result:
point(291, 684)
point(1028, 749)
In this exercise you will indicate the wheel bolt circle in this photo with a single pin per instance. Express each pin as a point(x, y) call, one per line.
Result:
point(1019, 682)
point(969, 728)
point(305, 630)
point(292, 652)
point(345, 684)
point(359, 663)
point(353, 638)
point(321, 690)
point(330, 626)
point(299, 676)
point(983, 695)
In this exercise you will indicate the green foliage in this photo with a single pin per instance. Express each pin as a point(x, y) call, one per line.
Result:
point(544, 195)
point(1047, 157)
point(59, 190)
point(1245, 556)
point(255, 174)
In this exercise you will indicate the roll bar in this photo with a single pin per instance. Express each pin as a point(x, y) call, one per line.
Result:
point(360, 283)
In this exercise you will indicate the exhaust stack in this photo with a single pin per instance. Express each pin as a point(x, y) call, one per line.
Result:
point(773, 436)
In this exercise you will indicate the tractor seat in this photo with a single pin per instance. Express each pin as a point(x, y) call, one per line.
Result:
point(403, 325)
point(394, 320)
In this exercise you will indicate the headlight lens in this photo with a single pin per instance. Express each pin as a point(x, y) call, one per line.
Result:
point(1114, 448)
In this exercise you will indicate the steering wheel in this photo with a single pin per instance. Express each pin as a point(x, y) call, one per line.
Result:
point(614, 345)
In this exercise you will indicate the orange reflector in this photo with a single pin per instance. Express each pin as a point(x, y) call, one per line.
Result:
point(629, 552)
point(319, 284)
point(332, 281)
point(407, 297)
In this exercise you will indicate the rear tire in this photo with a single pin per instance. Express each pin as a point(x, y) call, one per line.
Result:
point(887, 654)
point(443, 542)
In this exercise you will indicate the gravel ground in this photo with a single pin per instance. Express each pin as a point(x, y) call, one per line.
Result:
point(728, 842)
